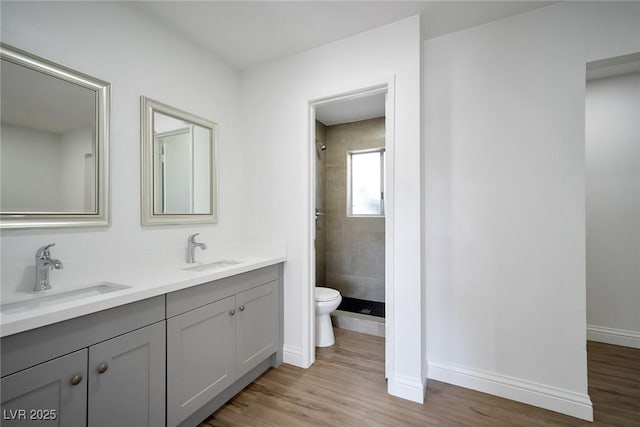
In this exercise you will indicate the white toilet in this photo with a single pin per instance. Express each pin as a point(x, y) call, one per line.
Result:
point(326, 300)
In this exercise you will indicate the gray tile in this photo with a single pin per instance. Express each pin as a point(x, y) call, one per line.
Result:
point(354, 261)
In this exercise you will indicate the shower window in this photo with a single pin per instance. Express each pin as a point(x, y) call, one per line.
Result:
point(365, 182)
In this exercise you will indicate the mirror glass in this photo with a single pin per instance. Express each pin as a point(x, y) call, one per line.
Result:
point(182, 150)
point(178, 165)
point(53, 144)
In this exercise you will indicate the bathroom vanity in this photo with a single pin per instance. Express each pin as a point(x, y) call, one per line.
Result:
point(167, 359)
point(135, 339)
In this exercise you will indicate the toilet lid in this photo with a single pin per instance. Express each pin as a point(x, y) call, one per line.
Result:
point(325, 294)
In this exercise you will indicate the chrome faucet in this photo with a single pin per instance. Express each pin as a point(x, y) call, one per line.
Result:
point(191, 248)
point(44, 262)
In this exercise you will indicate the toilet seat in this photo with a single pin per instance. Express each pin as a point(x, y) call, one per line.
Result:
point(325, 294)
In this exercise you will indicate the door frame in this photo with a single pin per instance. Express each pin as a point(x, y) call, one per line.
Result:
point(387, 87)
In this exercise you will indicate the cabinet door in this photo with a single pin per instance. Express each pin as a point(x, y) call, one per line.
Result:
point(53, 393)
point(127, 379)
point(200, 357)
point(256, 326)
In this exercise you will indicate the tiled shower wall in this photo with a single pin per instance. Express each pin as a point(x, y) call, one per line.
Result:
point(354, 261)
point(321, 227)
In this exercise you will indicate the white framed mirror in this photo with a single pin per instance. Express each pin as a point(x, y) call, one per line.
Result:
point(54, 144)
point(179, 166)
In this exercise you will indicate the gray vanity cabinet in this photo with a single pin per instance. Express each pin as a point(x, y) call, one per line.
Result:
point(200, 357)
point(127, 379)
point(53, 393)
point(124, 385)
point(256, 326)
point(103, 369)
point(220, 337)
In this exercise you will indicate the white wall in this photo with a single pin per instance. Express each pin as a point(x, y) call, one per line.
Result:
point(44, 171)
point(275, 99)
point(201, 169)
point(505, 199)
point(29, 159)
point(115, 42)
point(613, 209)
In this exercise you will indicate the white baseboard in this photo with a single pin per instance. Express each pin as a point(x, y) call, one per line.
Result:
point(293, 356)
point(407, 388)
point(613, 336)
point(548, 397)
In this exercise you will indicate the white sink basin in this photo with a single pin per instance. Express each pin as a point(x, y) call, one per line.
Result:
point(50, 298)
point(211, 266)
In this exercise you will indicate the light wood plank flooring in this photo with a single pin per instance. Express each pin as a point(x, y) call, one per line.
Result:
point(346, 387)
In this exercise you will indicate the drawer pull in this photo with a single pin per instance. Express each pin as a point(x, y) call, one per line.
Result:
point(76, 379)
point(241, 308)
point(102, 368)
point(232, 312)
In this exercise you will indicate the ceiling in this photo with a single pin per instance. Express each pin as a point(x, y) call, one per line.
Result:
point(612, 67)
point(352, 110)
point(36, 101)
point(247, 33)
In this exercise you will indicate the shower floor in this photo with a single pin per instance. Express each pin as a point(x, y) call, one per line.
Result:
point(355, 305)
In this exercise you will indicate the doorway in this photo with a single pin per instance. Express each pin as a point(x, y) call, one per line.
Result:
point(612, 213)
point(612, 156)
point(351, 152)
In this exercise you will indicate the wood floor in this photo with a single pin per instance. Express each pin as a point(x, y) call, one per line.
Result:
point(346, 387)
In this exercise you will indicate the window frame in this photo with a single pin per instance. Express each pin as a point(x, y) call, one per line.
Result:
point(350, 154)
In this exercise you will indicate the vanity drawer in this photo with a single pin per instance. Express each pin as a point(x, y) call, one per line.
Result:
point(29, 348)
point(197, 296)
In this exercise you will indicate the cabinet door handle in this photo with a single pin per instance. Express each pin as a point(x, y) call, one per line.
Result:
point(241, 308)
point(232, 312)
point(102, 368)
point(76, 379)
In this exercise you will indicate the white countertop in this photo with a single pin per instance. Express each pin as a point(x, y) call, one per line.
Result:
point(142, 283)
